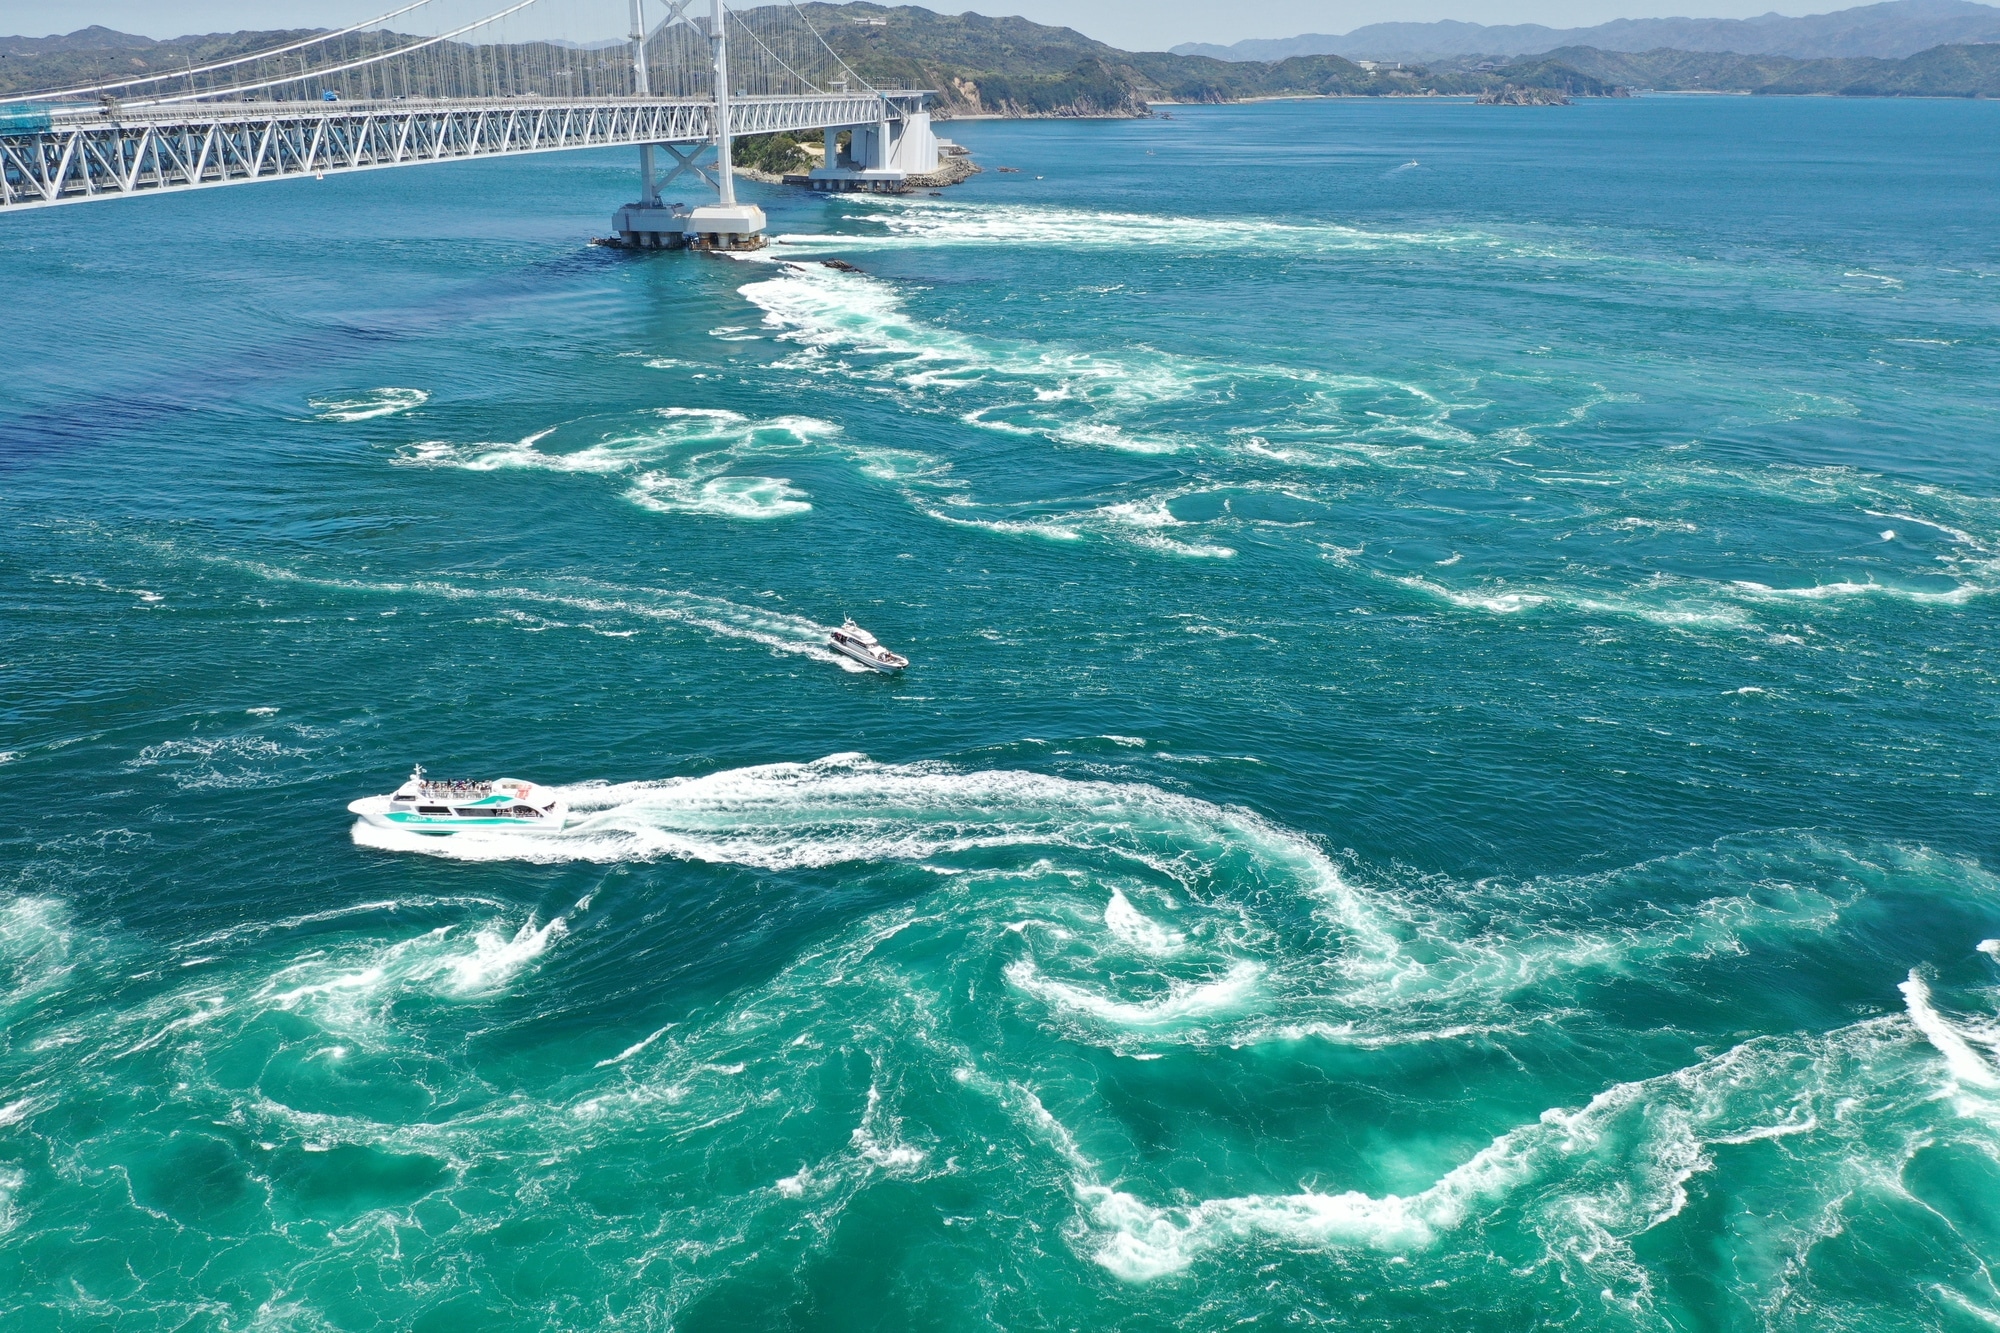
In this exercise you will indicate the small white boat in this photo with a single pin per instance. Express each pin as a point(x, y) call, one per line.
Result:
point(855, 642)
point(505, 805)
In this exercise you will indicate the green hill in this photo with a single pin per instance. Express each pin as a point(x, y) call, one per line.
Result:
point(1010, 66)
point(98, 55)
point(1942, 71)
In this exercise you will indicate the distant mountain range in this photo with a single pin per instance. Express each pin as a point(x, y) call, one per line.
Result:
point(1012, 67)
point(1885, 31)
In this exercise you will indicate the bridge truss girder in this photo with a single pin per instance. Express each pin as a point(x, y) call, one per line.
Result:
point(195, 147)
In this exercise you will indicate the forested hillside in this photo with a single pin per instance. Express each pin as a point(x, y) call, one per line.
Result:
point(1945, 71)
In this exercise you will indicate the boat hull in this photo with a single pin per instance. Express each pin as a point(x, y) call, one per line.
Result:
point(855, 655)
point(378, 811)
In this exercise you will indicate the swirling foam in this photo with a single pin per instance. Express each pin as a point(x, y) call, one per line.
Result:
point(1014, 226)
point(676, 460)
point(367, 406)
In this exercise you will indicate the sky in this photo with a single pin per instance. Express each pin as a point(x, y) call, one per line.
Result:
point(1136, 25)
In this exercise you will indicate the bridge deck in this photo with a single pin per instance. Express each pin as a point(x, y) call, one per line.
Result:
point(86, 153)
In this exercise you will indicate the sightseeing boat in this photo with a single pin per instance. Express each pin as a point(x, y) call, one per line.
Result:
point(505, 805)
point(855, 642)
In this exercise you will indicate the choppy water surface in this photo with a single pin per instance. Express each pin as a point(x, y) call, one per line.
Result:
point(1449, 777)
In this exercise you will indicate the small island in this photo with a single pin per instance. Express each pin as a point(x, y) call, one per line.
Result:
point(1509, 95)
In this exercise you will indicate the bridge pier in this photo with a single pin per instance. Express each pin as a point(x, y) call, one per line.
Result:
point(881, 157)
point(651, 226)
point(726, 227)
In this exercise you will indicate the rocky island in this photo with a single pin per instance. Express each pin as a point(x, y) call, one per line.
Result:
point(1512, 96)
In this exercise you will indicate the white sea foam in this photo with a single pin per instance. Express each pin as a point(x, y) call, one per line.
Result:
point(1587, 1181)
point(1678, 604)
point(1150, 521)
point(351, 989)
point(366, 406)
point(203, 763)
point(676, 460)
point(1500, 603)
point(1139, 931)
point(1181, 1002)
point(846, 808)
point(735, 497)
point(1144, 523)
point(1957, 596)
point(879, 1139)
point(12, 1178)
point(1017, 226)
point(856, 326)
point(1968, 1068)
point(777, 630)
point(37, 949)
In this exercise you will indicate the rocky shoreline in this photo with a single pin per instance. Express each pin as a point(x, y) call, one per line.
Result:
point(955, 169)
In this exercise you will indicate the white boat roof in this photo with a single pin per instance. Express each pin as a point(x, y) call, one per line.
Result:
point(855, 631)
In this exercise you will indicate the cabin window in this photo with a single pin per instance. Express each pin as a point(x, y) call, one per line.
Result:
point(432, 810)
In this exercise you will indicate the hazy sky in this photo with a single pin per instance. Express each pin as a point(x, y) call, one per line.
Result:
point(1133, 24)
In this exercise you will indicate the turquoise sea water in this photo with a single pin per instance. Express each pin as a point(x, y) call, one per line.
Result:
point(1448, 778)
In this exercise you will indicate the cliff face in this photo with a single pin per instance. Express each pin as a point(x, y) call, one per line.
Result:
point(1091, 88)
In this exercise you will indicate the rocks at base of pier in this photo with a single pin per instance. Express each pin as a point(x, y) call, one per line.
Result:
point(954, 169)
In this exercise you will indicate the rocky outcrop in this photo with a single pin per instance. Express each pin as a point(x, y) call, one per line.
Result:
point(952, 170)
point(1509, 95)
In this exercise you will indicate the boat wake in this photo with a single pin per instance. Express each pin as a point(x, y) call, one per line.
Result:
point(580, 604)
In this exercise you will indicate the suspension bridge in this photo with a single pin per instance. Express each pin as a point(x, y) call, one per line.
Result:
point(442, 81)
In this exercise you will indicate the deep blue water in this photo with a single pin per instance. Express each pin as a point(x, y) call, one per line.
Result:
point(1448, 776)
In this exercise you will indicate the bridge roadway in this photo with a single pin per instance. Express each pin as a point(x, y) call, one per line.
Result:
point(86, 152)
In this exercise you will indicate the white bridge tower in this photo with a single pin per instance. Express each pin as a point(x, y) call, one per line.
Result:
point(723, 225)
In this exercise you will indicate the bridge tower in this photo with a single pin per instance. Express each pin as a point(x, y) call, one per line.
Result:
point(723, 225)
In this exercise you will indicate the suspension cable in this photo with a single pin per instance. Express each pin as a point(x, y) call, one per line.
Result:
point(309, 76)
point(752, 34)
point(829, 49)
point(191, 72)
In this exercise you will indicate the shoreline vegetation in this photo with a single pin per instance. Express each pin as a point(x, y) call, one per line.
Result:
point(1016, 69)
point(785, 157)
